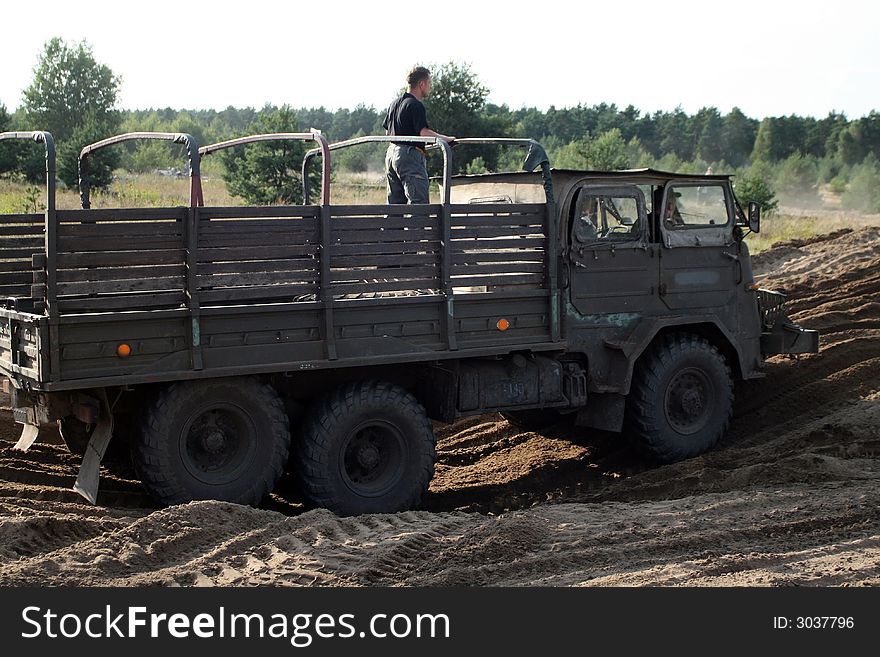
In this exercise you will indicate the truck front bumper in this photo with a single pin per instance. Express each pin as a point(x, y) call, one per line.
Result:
point(786, 337)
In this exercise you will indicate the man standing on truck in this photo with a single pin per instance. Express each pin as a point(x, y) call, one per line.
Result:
point(406, 164)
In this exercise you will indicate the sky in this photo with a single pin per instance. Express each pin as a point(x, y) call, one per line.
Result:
point(767, 57)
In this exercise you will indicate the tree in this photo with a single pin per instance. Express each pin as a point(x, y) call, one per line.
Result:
point(797, 177)
point(864, 187)
point(738, 136)
point(860, 138)
point(675, 131)
point(607, 152)
point(74, 97)
point(754, 186)
point(457, 106)
point(709, 130)
point(8, 152)
point(267, 173)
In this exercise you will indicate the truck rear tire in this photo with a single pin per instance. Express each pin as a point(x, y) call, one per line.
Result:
point(222, 439)
point(681, 400)
point(367, 448)
point(75, 433)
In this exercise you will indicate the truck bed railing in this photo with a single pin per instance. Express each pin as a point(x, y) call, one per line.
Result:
point(192, 152)
point(348, 143)
point(313, 135)
point(536, 156)
point(45, 138)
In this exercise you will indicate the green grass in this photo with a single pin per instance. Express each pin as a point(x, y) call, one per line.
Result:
point(154, 190)
point(792, 224)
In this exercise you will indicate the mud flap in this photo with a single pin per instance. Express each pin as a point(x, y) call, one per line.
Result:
point(89, 470)
point(29, 434)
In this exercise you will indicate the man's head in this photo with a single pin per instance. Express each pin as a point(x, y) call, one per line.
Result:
point(419, 81)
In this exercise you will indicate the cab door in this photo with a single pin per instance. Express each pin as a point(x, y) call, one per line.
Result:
point(613, 268)
point(699, 265)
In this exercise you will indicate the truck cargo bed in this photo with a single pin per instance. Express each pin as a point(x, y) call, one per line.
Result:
point(200, 292)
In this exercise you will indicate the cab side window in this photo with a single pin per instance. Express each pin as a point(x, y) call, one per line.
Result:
point(607, 216)
point(690, 206)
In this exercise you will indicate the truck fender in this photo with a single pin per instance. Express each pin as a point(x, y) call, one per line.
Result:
point(645, 333)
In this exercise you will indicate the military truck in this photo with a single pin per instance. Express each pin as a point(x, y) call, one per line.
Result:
point(229, 344)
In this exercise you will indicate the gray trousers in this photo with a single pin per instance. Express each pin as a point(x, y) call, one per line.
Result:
point(407, 172)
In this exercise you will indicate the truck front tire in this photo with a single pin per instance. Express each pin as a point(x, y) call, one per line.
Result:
point(221, 439)
point(681, 399)
point(366, 448)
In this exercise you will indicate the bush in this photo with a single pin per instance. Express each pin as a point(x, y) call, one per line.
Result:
point(797, 177)
point(477, 165)
point(837, 184)
point(864, 187)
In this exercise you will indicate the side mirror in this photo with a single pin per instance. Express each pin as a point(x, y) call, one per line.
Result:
point(754, 217)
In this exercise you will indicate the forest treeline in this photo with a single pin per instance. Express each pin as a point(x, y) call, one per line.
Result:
point(784, 157)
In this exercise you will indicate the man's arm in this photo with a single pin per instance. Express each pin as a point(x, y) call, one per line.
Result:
point(427, 132)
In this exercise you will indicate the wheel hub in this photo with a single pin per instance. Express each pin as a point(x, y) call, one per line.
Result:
point(368, 456)
point(687, 401)
point(692, 403)
point(373, 458)
point(214, 442)
point(218, 443)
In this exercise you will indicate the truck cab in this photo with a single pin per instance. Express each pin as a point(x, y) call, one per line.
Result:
point(647, 257)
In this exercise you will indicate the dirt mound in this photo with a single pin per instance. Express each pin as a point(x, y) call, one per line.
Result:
point(790, 496)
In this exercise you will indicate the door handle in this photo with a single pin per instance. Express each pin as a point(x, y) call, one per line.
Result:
point(739, 266)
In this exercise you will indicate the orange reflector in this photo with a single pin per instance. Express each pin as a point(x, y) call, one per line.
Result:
point(754, 286)
point(123, 350)
point(502, 324)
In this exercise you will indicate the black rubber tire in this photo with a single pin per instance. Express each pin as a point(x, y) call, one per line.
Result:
point(366, 448)
point(538, 419)
point(221, 439)
point(681, 399)
point(75, 433)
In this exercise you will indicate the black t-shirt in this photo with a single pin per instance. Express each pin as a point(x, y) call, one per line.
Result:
point(406, 117)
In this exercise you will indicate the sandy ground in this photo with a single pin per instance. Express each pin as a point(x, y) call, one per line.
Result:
point(789, 498)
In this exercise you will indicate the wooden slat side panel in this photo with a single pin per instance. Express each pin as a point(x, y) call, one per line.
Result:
point(21, 230)
point(115, 273)
point(127, 302)
point(120, 215)
point(256, 266)
point(31, 218)
point(120, 259)
point(256, 293)
point(22, 236)
point(238, 212)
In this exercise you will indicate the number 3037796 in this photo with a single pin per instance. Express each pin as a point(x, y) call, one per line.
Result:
point(814, 622)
